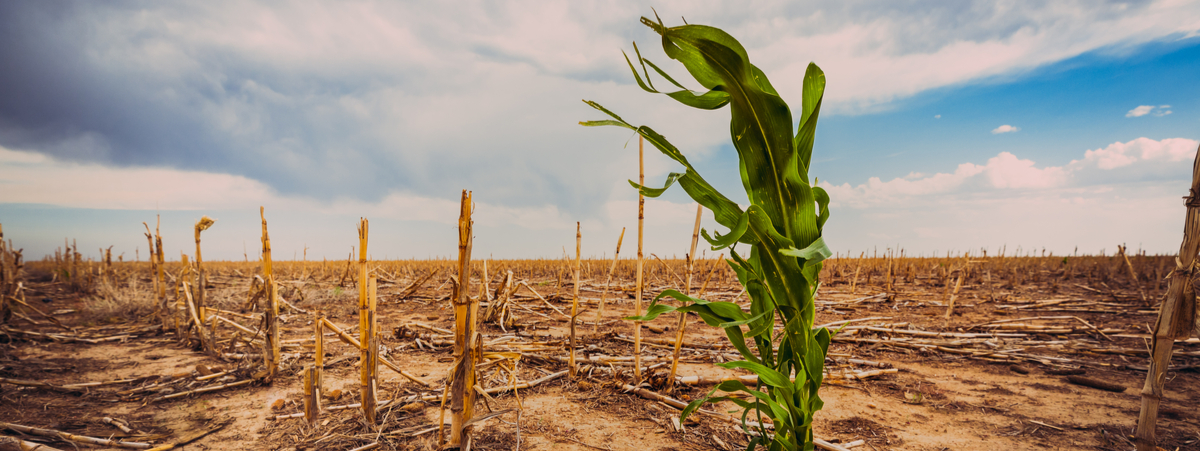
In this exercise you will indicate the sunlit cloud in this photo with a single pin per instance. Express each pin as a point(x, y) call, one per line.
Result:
point(1140, 111)
point(1005, 129)
point(1007, 172)
point(1132, 188)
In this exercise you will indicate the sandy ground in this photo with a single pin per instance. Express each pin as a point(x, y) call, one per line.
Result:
point(936, 401)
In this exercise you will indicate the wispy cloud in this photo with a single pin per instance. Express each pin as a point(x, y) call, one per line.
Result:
point(972, 41)
point(1142, 110)
point(1005, 129)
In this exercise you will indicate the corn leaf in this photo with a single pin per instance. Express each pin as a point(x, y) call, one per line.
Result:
point(782, 226)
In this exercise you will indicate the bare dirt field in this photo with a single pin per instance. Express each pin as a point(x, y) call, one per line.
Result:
point(1014, 366)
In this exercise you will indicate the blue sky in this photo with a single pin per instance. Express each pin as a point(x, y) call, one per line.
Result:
point(1060, 109)
point(945, 127)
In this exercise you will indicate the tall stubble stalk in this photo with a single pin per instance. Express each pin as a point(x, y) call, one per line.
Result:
point(637, 303)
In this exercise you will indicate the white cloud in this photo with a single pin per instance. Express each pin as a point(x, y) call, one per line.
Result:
point(511, 231)
point(1126, 186)
point(1156, 111)
point(38, 179)
point(1005, 129)
point(1144, 216)
point(1007, 172)
point(1140, 111)
point(30, 178)
point(1004, 171)
point(1119, 154)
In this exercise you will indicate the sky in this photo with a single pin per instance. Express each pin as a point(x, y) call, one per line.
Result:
point(1065, 127)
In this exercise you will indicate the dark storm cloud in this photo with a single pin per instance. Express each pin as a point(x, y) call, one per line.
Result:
point(64, 98)
point(307, 111)
point(54, 95)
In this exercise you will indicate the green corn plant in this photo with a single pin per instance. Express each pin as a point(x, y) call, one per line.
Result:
point(782, 228)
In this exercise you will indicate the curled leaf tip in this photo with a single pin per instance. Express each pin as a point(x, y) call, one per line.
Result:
point(656, 26)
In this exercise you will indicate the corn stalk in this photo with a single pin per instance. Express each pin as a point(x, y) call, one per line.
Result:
point(160, 270)
point(369, 349)
point(271, 345)
point(153, 265)
point(466, 337)
point(201, 281)
point(10, 269)
point(782, 228)
point(1178, 317)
